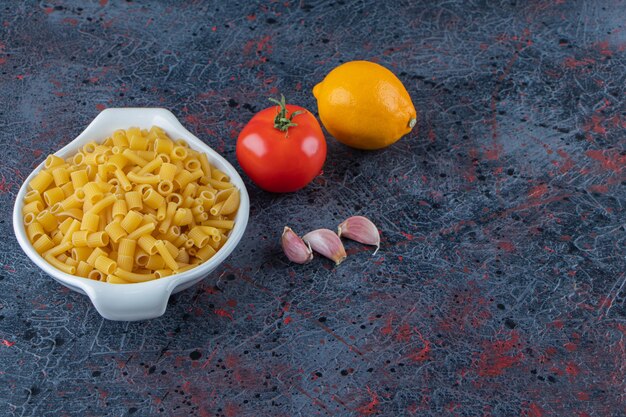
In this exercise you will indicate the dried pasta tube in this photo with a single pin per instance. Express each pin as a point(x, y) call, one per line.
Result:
point(167, 257)
point(83, 269)
point(115, 231)
point(131, 221)
point(43, 244)
point(33, 195)
point(105, 265)
point(97, 239)
point(79, 178)
point(153, 199)
point(53, 161)
point(147, 243)
point(41, 181)
point(68, 269)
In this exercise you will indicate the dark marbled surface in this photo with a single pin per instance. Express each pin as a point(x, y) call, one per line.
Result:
point(500, 286)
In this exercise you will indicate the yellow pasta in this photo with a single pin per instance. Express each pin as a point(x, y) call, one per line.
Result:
point(218, 175)
point(150, 166)
point(182, 217)
point(145, 229)
point(134, 277)
point(105, 265)
point(166, 255)
point(68, 189)
point(34, 231)
point(163, 145)
point(53, 161)
point(81, 254)
point(91, 222)
point(83, 269)
point(119, 138)
point(114, 279)
point(115, 231)
point(133, 200)
point(123, 180)
point(31, 196)
point(73, 227)
point(43, 244)
point(68, 269)
point(199, 237)
point(219, 224)
point(119, 210)
point(153, 199)
point(95, 275)
point(97, 239)
point(59, 249)
point(33, 207)
point(41, 181)
point(131, 221)
point(79, 239)
point(147, 243)
point(136, 207)
point(47, 220)
point(167, 171)
point(205, 253)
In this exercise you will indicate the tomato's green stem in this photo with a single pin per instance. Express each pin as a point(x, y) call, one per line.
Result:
point(281, 121)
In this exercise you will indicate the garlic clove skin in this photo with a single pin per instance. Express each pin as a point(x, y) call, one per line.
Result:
point(326, 243)
point(360, 229)
point(295, 249)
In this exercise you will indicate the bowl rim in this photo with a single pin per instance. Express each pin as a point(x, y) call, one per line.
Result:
point(106, 120)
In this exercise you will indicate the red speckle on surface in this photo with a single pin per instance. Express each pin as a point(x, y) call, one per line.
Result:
point(582, 396)
point(422, 354)
point(595, 125)
point(70, 21)
point(493, 153)
point(408, 236)
point(506, 246)
point(572, 369)
point(538, 191)
point(370, 407)
point(389, 326)
point(231, 410)
point(404, 333)
point(567, 164)
point(609, 159)
point(570, 347)
point(7, 343)
point(599, 188)
point(100, 107)
point(287, 320)
point(4, 186)
point(103, 2)
point(534, 410)
point(572, 63)
point(48, 10)
point(496, 356)
point(223, 313)
point(603, 47)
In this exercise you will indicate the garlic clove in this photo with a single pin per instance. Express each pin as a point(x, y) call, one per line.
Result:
point(326, 243)
point(360, 229)
point(295, 249)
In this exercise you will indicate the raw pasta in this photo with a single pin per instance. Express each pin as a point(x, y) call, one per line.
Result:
point(137, 207)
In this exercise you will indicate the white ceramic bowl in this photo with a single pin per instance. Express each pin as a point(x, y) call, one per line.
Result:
point(148, 299)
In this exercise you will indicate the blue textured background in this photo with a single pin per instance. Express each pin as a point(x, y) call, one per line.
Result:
point(500, 286)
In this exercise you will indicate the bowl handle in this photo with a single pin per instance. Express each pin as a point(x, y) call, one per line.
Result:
point(131, 302)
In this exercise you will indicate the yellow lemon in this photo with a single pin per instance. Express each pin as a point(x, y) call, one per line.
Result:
point(364, 105)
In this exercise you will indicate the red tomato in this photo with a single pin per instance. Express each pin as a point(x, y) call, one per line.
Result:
point(282, 148)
